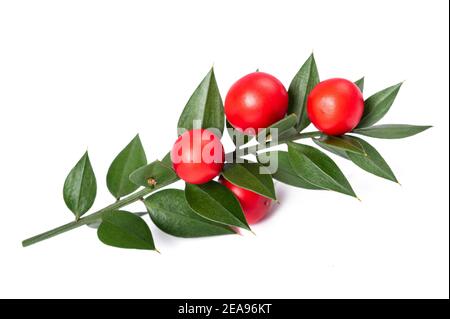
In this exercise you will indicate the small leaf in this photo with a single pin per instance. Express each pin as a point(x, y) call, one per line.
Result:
point(237, 137)
point(80, 187)
point(125, 230)
point(249, 176)
point(318, 169)
point(155, 173)
point(341, 143)
point(282, 126)
point(302, 84)
point(373, 162)
point(215, 202)
point(376, 106)
point(128, 160)
point(205, 105)
point(360, 84)
point(391, 131)
point(287, 175)
point(170, 211)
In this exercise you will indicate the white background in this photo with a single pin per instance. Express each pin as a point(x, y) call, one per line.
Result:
point(79, 74)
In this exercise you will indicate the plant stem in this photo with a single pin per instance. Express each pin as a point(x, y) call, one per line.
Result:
point(88, 219)
point(96, 216)
point(298, 136)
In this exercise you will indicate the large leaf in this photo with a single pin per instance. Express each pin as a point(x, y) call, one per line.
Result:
point(155, 173)
point(376, 106)
point(318, 169)
point(170, 211)
point(281, 127)
point(373, 162)
point(334, 151)
point(96, 224)
point(217, 203)
point(391, 131)
point(125, 230)
point(341, 143)
point(129, 159)
point(302, 84)
point(287, 175)
point(251, 176)
point(80, 187)
point(205, 105)
point(360, 84)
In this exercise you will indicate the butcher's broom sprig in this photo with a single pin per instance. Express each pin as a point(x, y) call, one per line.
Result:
point(188, 213)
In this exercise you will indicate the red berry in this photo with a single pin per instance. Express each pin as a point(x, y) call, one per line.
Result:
point(255, 206)
point(335, 106)
point(256, 101)
point(197, 156)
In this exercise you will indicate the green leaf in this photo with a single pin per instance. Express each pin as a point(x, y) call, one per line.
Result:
point(376, 106)
point(96, 224)
point(205, 105)
point(167, 160)
point(287, 175)
point(302, 84)
point(128, 160)
point(334, 151)
point(391, 131)
point(237, 136)
point(216, 202)
point(170, 211)
point(283, 126)
point(80, 187)
point(155, 173)
point(318, 169)
point(373, 162)
point(341, 143)
point(249, 176)
point(360, 84)
point(125, 230)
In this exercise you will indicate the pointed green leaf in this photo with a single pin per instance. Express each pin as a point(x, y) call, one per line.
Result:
point(302, 84)
point(376, 106)
point(80, 187)
point(205, 105)
point(341, 143)
point(287, 175)
point(167, 160)
point(282, 126)
point(251, 176)
point(96, 224)
point(334, 151)
point(129, 159)
point(373, 162)
point(318, 169)
point(360, 84)
point(217, 203)
point(125, 230)
point(155, 173)
point(391, 131)
point(170, 211)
